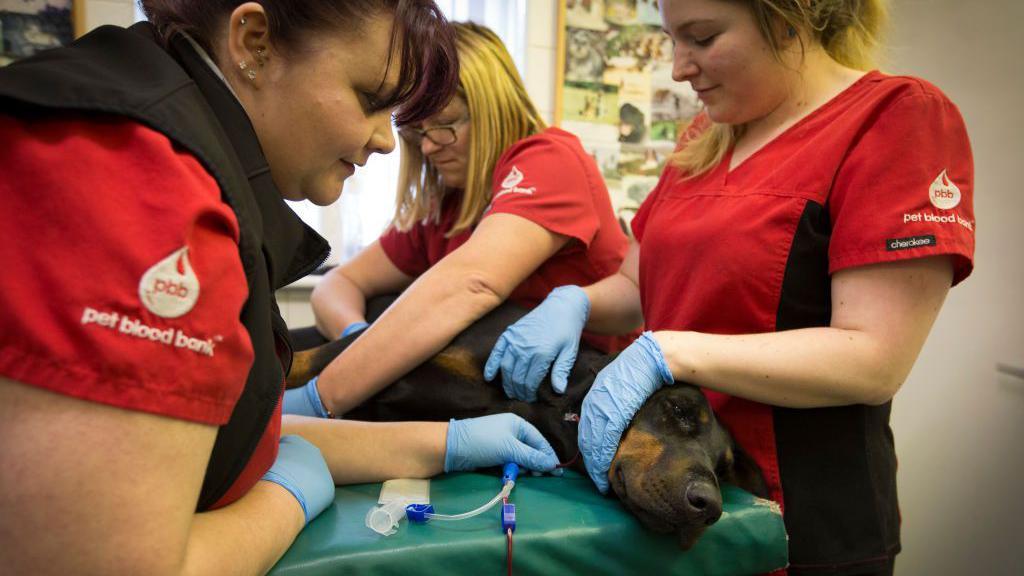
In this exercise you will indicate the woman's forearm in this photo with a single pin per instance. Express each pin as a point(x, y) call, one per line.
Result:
point(359, 452)
point(441, 303)
point(615, 301)
point(614, 306)
point(804, 368)
point(416, 327)
point(881, 316)
point(247, 537)
point(337, 302)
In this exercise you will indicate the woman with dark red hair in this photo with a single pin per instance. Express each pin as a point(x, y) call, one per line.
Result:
point(141, 374)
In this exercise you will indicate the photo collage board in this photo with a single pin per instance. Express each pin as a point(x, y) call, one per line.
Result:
point(30, 26)
point(615, 92)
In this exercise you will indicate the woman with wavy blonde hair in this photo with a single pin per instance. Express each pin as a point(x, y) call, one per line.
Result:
point(492, 205)
point(790, 261)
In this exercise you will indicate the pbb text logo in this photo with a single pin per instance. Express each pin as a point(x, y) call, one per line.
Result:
point(943, 193)
point(170, 287)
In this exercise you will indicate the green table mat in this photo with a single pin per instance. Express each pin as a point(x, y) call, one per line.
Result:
point(563, 526)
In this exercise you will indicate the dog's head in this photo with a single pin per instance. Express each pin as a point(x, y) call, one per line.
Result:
point(670, 462)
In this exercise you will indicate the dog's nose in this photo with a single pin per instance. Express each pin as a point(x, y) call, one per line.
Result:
point(704, 501)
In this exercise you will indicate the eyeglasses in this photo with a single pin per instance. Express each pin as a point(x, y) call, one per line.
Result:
point(441, 135)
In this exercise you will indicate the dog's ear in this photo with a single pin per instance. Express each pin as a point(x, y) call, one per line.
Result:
point(746, 474)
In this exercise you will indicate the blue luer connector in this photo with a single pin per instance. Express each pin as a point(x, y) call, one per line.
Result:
point(415, 512)
point(508, 517)
point(509, 473)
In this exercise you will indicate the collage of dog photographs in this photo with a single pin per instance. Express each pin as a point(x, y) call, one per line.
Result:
point(30, 26)
point(618, 94)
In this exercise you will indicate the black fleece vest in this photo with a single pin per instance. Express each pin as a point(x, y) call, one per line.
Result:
point(127, 73)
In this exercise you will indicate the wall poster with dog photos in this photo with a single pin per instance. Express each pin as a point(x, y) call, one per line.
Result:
point(30, 26)
point(614, 90)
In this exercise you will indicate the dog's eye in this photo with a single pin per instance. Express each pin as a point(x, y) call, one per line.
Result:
point(681, 415)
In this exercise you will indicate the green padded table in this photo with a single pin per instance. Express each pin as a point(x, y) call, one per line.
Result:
point(563, 526)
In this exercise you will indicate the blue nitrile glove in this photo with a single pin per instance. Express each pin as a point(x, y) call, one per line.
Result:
point(301, 470)
point(618, 392)
point(496, 439)
point(304, 401)
point(353, 327)
point(549, 333)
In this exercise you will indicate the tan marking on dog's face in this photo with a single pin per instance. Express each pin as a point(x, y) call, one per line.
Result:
point(704, 417)
point(641, 448)
point(458, 361)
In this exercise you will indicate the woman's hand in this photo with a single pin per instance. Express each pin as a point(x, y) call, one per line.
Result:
point(549, 333)
point(494, 440)
point(300, 469)
point(304, 401)
point(619, 391)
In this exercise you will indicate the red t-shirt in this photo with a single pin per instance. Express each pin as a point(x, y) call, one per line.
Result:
point(122, 280)
point(890, 159)
point(886, 163)
point(550, 180)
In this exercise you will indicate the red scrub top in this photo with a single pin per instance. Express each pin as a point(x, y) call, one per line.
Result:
point(881, 173)
point(550, 180)
point(122, 280)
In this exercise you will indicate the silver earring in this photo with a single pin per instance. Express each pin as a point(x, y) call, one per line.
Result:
point(259, 55)
point(243, 65)
point(242, 21)
point(251, 74)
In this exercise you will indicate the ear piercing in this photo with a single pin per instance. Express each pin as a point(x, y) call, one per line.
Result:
point(250, 73)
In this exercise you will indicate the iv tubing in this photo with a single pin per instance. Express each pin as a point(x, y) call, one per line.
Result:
point(505, 491)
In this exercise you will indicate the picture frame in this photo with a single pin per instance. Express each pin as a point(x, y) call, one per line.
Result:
point(31, 26)
point(614, 90)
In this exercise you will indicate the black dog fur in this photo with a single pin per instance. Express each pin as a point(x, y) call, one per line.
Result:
point(669, 462)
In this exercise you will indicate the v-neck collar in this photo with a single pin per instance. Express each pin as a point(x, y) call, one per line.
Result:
point(725, 173)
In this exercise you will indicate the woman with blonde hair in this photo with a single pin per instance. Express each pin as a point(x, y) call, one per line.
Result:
point(791, 261)
point(492, 205)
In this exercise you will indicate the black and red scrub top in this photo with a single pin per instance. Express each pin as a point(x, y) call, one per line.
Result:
point(881, 173)
point(119, 297)
point(551, 181)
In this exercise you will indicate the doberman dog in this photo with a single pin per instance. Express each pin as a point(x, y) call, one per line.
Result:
point(670, 459)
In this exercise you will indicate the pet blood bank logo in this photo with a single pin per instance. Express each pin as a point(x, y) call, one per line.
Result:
point(170, 288)
point(510, 185)
point(944, 194)
point(515, 176)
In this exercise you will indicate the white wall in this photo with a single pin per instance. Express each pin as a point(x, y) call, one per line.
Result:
point(541, 38)
point(958, 423)
point(99, 12)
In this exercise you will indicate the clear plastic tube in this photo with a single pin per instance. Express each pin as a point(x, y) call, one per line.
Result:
point(505, 491)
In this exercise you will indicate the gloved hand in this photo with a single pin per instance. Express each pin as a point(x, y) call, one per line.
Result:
point(549, 333)
point(353, 327)
point(496, 439)
point(618, 392)
point(304, 401)
point(300, 469)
